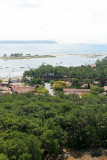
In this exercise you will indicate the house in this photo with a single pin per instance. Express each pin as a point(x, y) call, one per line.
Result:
point(15, 80)
point(96, 82)
point(5, 80)
point(84, 85)
point(5, 92)
point(4, 83)
point(75, 91)
point(18, 84)
point(19, 90)
point(93, 65)
point(68, 83)
point(91, 85)
point(105, 88)
point(5, 88)
point(65, 78)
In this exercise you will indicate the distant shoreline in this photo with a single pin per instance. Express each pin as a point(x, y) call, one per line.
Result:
point(27, 57)
point(92, 55)
point(12, 66)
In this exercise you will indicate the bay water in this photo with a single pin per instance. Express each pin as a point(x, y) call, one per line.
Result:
point(66, 55)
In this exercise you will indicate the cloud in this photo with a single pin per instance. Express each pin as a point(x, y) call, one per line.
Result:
point(29, 5)
point(65, 20)
point(43, 28)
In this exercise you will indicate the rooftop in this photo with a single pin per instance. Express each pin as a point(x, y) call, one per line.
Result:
point(105, 88)
point(6, 92)
point(5, 88)
point(68, 83)
point(18, 84)
point(4, 83)
point(23, 89)
point(75, 90)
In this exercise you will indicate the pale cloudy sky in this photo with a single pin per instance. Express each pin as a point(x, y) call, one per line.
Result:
point(74, 21)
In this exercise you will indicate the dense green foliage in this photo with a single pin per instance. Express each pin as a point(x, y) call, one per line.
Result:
point(34, 81)
point(81, 73)
point(51, 82)
point(96, 90)
point(32, 126)
point(76, 83)
point(59, 85)
point(42, 90)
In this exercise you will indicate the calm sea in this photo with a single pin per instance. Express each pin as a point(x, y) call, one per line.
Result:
point(66, 55)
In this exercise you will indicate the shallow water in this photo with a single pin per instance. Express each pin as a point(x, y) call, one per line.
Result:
point(67, 55)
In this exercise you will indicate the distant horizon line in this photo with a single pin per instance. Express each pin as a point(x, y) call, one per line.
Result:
point(42, 42)
point(27, 41)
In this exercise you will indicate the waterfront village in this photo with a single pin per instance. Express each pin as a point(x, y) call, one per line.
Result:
point(48, 83)
point(71, 123)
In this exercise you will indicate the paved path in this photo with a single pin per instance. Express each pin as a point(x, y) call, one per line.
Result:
point(47, 86)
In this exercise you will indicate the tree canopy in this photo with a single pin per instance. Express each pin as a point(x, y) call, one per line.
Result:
point(59, 85)
point(85, 74)
point(32, 126)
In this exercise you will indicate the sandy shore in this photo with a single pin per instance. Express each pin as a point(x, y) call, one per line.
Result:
point(89, 54)
point(52, 56)
point(27, 57)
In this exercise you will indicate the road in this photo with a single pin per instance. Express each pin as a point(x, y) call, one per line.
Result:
point(47, 86)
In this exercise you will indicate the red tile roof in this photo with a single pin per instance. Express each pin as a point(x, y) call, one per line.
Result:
point(18, 84)
point(93, 65)
point(84, 85)
point(68, 83)
point(23, 89)
point(6, 92)
point(4, 83)
point(75, 90)
point(65, 76)
point(5, 88)
point(105, 88)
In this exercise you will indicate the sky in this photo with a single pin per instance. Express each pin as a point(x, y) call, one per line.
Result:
point(66, 21)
